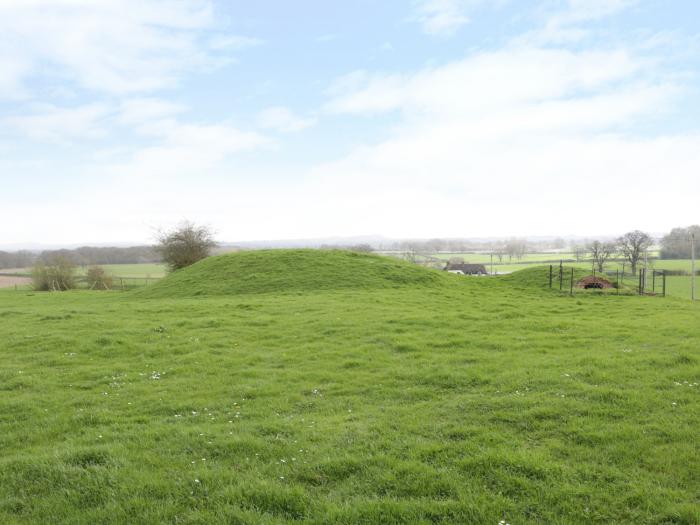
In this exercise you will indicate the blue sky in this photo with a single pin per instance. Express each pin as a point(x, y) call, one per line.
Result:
point(273, 120)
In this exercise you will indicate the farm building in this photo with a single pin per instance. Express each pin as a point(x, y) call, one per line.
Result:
point(466, 269)
point(593, 281)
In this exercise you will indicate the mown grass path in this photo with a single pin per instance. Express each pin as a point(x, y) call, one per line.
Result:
point(472, 402)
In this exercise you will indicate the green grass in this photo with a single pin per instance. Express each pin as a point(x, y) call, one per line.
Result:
point(148, 270)
point(274, 271)
point(468, 400)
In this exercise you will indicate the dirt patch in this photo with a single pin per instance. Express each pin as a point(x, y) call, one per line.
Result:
point(594, 282)
point(8, 281)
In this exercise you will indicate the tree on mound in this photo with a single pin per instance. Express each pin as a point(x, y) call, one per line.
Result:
point(185, 245)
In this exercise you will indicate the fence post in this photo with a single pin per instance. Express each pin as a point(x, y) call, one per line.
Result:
point(571, 289)
point(550, 275)
point(561, 275)
point(617, 280)
point(653, 281)
point(664, 277)
point(639, 283)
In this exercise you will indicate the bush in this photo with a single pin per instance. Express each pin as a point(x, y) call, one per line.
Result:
point(185, 245)
point(55, 275)
point(99, 279)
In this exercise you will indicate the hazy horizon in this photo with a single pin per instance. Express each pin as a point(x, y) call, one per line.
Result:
point(280, 120)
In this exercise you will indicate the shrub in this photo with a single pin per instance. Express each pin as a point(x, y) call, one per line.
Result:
point(99, 279)
point(185, 245)
point(57, 274)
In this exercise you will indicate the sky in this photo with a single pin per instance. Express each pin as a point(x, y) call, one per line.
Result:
point(409, 119)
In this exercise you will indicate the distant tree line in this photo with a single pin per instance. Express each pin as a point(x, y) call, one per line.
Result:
point(84, 256)
point(87, 255)
point(676, 244)
point(21, 259)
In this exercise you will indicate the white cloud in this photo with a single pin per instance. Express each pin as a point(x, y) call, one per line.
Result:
point(282, 119)
point(442, 17)
point(521, 132)
point(233, 42)
point(49, 123)
point(142, 112)
point(484, 82)
point(188, 150)
point(113, 46)
point(569, 24)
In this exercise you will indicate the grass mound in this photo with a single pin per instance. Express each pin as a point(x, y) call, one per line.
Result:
point(277, 271)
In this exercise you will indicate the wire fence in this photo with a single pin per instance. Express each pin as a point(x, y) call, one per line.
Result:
point(81, 282)
point(644, 281)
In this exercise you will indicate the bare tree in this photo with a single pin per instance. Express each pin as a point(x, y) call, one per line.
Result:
point(580, 252)
point(633, 245)
point(601, 252)
point(516, 248)
point(185, 245)
point(500, 253)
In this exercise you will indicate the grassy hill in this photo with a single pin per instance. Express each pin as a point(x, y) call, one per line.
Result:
point(276, 271)
point(425, 398)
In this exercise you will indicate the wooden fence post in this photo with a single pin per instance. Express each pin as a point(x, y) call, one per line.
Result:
point(550, 275)
point(664, 281)
point(571, 289)
point(561, 274)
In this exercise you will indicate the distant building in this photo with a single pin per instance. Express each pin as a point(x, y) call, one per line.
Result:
point(466, 269)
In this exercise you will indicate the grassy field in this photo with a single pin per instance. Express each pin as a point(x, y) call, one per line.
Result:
point(372, 392)
point(147, 270)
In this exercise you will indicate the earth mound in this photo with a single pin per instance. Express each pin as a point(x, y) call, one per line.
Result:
point(266, 271)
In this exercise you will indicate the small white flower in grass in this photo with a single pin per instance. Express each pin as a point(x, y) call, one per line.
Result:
point(196, 480)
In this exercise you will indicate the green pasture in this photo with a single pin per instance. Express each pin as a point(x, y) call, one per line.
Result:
point(146, 270)
point(228, 393)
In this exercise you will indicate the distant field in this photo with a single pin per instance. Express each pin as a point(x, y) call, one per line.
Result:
point(155, 271)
